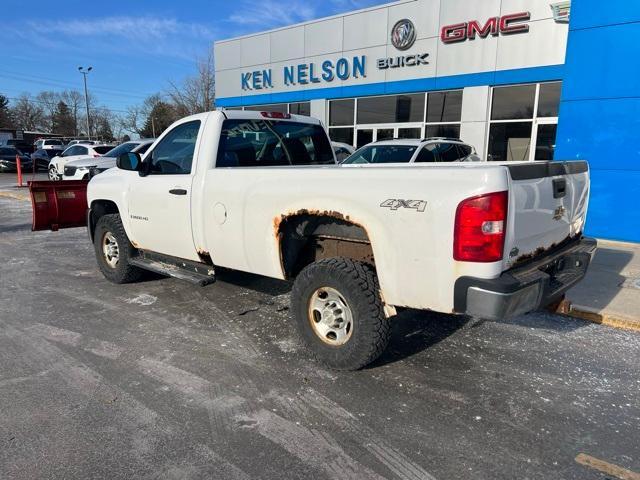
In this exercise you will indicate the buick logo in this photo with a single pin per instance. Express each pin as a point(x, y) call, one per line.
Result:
point(403, 34)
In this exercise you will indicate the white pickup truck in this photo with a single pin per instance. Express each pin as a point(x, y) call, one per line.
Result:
point(261, 192)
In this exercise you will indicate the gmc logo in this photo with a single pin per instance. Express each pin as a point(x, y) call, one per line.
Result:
point(505, 25)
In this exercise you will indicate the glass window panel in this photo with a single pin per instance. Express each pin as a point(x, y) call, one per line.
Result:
point(513, 103)
point(391, 109)
point(409, 133)
point(364, 136)
point(546, 142)
point(343, 135)
point(444, 106)
point(509, 141)
point(232, 108)
point(301, 108)
point(385, 134)
point(276, 107)
point(549, 99)
point(265, 143)
point(448, 131)
point(174, 153)
point(341, 112)
point(427, 155)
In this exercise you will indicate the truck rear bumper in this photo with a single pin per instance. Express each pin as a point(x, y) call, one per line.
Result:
point(525, 289)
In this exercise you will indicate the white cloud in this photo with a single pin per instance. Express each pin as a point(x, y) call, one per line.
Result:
point(127, 27)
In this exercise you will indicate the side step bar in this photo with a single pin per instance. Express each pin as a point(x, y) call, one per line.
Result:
point(194, 272)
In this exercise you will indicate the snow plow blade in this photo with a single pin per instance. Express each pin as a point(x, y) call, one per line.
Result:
point(58, 205)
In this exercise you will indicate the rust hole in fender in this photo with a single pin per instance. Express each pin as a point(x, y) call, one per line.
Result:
point(306, 235)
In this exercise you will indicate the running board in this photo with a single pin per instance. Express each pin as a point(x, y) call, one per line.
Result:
point(194, 272)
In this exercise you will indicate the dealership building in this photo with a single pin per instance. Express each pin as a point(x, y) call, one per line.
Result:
point(517, 79)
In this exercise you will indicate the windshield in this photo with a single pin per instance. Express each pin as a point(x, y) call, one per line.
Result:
point(102, 150)
point(382, 154)
point(120, 149)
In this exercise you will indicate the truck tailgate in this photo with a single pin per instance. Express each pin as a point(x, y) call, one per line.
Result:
point(547, 205)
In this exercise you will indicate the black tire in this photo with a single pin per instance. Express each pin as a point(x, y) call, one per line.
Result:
point(122, 271)
point(357, 284)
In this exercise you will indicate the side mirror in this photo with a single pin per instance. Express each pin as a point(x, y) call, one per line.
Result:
point(128, 161)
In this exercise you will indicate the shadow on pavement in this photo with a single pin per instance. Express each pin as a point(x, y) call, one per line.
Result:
point(413, 331)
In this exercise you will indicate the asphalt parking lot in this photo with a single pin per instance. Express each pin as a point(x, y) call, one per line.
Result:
point(163, 379)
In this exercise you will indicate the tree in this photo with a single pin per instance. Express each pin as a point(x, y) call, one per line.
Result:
point(5, 113)
point(162, 115)
point(27, 114)
point(101, 124)
point(197, 93)
point(48, 102)
point(62, 121)
point(74, 100)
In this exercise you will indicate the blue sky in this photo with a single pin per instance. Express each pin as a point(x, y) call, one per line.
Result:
point(135, 47)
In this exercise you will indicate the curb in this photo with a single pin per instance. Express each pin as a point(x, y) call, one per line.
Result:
point(592, 315)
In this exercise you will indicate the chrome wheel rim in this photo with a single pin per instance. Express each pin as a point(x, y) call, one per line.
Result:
point(52, 174)
point(330, 317)
point(110, 249)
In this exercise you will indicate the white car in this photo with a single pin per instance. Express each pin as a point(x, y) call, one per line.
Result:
point(428, 150)
point(81, 169)
point(342, 150)
point(74, 152)
point(49, 144)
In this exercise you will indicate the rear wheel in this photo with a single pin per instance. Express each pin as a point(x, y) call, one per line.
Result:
point(113, 250)
point(53, 174)
point(339, 313)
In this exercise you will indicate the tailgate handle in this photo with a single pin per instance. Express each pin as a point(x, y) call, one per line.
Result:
point(178, 191)
point(559, 188)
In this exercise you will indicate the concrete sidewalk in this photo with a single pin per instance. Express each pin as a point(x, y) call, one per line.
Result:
point(610, 293)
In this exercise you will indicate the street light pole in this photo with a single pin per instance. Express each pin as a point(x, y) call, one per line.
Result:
point(86, 96)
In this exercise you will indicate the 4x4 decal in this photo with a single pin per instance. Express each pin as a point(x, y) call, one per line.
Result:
point(396, 203)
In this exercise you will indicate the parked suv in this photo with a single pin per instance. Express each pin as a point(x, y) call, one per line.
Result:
point(428, 150)
point(74, 152)
point(85, 168)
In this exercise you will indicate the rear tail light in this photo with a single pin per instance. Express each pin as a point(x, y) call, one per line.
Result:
point(479, 229)
point(275, 115)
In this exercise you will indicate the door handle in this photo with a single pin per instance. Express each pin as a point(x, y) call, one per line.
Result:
point(178, 191)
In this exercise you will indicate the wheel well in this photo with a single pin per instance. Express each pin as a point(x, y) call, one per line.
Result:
point(99, 208)
point(307, 237)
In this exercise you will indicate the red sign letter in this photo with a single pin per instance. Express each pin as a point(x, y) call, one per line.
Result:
point(454, 33)
point(490, 28)
point(507, 20)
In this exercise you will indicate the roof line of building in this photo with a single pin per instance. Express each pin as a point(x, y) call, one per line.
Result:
point(316, 20)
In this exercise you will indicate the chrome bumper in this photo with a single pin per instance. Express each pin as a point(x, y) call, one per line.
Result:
point(528, 288)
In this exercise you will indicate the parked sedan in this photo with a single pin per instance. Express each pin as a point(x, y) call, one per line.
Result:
point(342, 150)
point(83, 169)
point(74, 152)
point(8, 160)
point(43, 156)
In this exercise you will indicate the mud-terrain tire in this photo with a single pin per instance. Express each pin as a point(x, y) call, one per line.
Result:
point(113, 250)
point(327, 297)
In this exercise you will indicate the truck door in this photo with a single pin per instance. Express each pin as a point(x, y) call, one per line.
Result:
point(160, 202)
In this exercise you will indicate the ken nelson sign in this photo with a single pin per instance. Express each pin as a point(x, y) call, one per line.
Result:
point(326, 71)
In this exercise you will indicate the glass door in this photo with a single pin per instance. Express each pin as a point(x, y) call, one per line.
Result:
point(544, 139)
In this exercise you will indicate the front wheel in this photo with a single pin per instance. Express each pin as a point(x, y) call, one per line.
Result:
point(53, 174)
point(339, 314)
point(113, 250)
